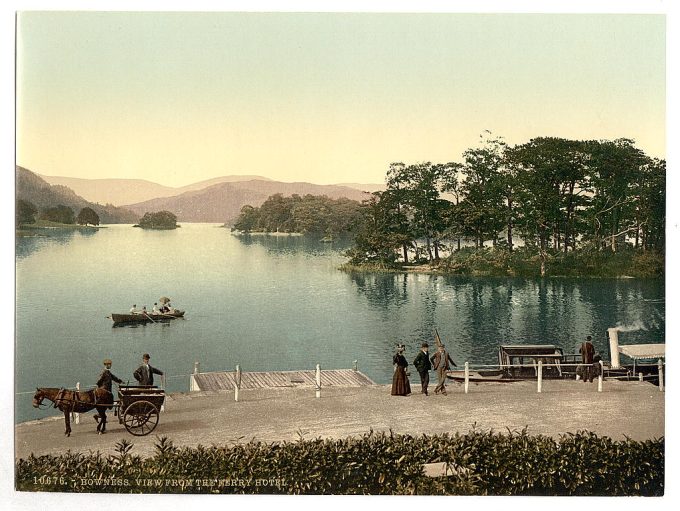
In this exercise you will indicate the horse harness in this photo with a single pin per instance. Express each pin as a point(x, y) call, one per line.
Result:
point(60, 399)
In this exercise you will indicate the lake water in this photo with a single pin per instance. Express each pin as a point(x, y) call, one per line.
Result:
point(280, 303)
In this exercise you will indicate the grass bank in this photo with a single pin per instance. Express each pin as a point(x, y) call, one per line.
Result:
point(482, 463)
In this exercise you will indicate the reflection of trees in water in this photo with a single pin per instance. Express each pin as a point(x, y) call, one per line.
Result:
point(382, 290)
point(25, 246)
point(474, 315)
point(287, 245)
point(482, 317)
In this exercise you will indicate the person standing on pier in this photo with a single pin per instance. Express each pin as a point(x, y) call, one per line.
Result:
point(144, 373)
point(587, 351)
point(423, 365)
point(400, 383)
point(440, 361)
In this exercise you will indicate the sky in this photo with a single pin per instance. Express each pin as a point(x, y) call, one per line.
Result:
point(180, 97)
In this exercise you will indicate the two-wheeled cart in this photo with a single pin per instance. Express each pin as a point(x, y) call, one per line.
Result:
point(138, 408)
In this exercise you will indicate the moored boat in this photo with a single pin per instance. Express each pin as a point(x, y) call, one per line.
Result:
point(146, 317)
point(520, 362)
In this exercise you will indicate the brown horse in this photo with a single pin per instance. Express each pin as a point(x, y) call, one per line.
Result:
point(74, 401)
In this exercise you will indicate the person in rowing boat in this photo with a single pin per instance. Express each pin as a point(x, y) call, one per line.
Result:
point(155, 309)
point(133, 309)
point(144, 373)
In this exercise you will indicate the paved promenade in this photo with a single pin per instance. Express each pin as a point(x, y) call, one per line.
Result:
point(632, 409)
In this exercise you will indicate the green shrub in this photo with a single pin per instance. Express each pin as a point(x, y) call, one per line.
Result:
point(483, 463)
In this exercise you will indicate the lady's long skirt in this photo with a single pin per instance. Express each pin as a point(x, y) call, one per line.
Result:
point(400, 383)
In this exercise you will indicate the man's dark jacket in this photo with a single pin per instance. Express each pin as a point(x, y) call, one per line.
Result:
point(143, 378)
point(422, 363)
point(106, 378)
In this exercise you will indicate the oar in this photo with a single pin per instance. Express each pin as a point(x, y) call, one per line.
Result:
point(437, 340)
point(149, 317)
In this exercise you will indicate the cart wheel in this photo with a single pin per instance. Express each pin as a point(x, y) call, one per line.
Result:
point(141, 418)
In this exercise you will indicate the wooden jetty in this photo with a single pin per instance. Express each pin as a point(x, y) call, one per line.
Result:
point(226, 380)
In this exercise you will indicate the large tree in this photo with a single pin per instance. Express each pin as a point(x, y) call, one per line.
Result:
point(158, 220)
point(25, 212)
point(482, 211)
point(60, 214)
point(376, 235)
point(615, 168)
point(87, 216)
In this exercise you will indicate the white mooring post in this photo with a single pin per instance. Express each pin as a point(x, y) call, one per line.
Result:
point(237, 382)
point(641, 377)
point(540, 375)
point(600, 377)
point(318, 380)
point(355, 365)
point(193, 384)
point(467, 376)
point(77, 415)
point(163, 388)
point(660, 364)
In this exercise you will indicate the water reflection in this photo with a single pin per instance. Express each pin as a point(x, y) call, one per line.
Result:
point(475, 315)
point(283, 244)
point(382, 290)
point(27, 245)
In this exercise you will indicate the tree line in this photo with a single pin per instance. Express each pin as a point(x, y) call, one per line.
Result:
point(309, 214)
point(26, 213)
point(551, 195)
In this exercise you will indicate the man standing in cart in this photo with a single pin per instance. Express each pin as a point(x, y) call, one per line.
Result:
point(144, 373)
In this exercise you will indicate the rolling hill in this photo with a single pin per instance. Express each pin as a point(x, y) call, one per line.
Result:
point(129, 191)
point(222, 202)
point(32, 188)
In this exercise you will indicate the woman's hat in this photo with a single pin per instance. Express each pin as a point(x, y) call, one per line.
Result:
point(107, 361)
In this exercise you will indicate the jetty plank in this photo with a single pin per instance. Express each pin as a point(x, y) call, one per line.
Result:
point(225, 380)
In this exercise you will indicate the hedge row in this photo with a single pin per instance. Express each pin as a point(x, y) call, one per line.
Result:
point(483, 463)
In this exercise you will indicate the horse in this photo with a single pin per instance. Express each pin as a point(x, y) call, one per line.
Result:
point(70, 401)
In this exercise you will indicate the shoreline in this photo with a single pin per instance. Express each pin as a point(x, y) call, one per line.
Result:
point(426, 269)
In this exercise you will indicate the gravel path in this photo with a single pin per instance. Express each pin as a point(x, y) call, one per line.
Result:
point(631, 409)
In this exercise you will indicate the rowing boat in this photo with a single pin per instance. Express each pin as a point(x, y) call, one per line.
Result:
point(146, 318)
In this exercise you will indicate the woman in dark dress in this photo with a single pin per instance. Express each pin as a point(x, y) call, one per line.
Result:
point(400, 383)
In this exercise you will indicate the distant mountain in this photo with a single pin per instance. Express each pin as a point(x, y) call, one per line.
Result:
point(365, 187)
point(130, 191)
point(30, 187)
point(223, 202)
